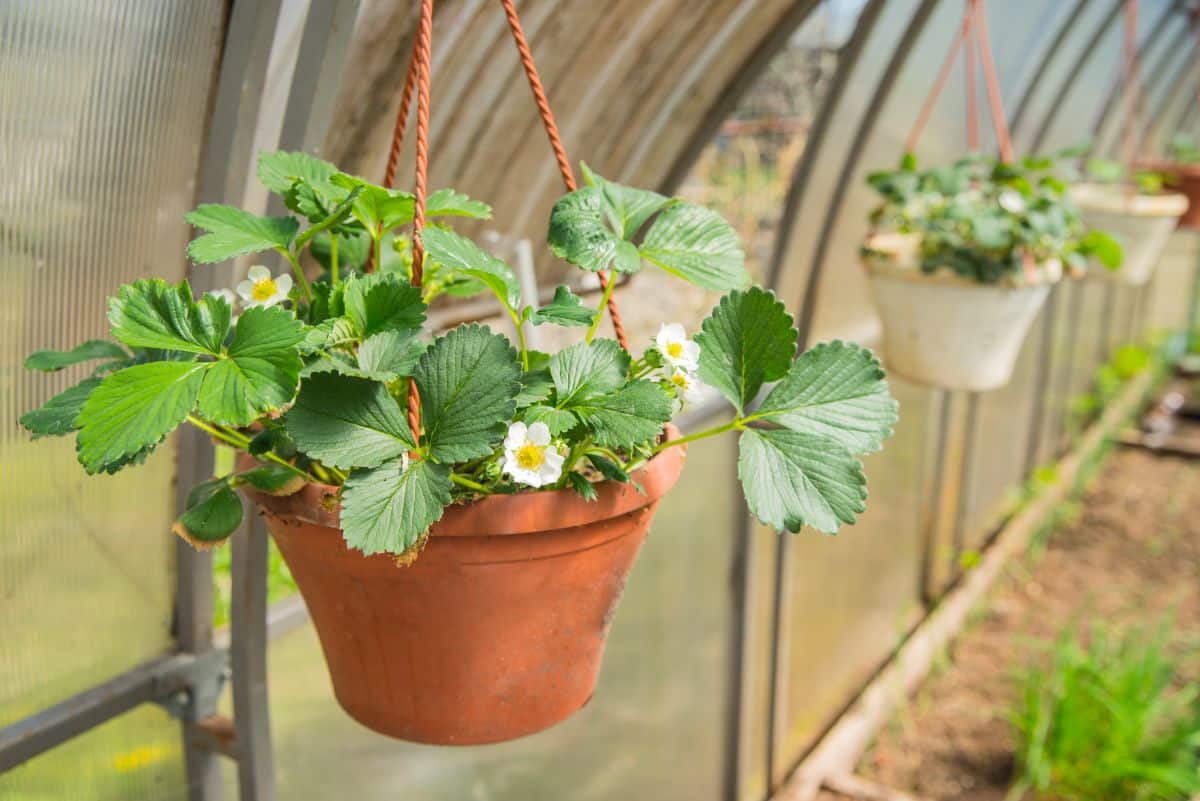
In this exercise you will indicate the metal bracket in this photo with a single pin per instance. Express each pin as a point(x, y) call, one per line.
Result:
point(175, 681)
point(204, 678)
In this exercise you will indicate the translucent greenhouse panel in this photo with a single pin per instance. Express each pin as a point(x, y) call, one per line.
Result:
point(849, 599)
point(1170, 291)
point(657, 727)
point(998, 446)
point(102, 113)
point(134, 757)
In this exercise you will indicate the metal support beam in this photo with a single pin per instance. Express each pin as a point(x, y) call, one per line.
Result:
point(248, 660)
point(171, 680)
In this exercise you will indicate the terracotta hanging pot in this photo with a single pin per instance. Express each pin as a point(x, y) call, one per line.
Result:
point(1185, 179)
point(942, 330)
point(1141, 223)
point(496, 630)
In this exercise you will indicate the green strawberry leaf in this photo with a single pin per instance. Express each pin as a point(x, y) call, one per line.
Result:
point(151, 313)
point(835, 390)
point(134, 408)
point(633, 414)
point(214, 511)
point(234, 232)
point(792, 479)
point(388, 509)
point(626, 208)
point(49, 361)
point(536, 386)
point(585, 370)
point(348, 422)
point(580, 484)
point(273, 479)
point(57, 416)
point(381, 302)
point(279, 172)
point(747, 340)
point(390, 354)
point(559, 421)
point(581, 233)
point(377, 208)
point(468, 382)
point(698, 245)
point(461, 256)
point(260, 370)
point(566, 309)
point(448, 203)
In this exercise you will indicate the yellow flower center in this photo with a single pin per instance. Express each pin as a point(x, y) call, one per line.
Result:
point(679, 380)
point(264, 289)
point(530, 456)
point(674, 349)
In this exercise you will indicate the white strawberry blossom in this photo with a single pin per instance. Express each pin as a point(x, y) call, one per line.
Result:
point(688, 388)
point(263, 289)
point(679, 351)
point(529, 457)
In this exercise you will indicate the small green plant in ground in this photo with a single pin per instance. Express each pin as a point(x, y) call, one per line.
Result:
point(1107, 721)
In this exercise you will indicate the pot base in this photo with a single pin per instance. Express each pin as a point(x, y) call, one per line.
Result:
point(495, 631)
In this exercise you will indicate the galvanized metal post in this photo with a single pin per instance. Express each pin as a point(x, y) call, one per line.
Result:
point(248, 661)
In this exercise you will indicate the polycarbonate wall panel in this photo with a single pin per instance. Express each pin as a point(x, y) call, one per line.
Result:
point(102, 113)
point(657, 727)
point(848, 599)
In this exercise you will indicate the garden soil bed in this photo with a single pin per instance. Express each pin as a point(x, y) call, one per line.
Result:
point(1129, 555)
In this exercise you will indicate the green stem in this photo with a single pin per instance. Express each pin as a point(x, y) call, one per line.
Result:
point(377, 236)
point(520, 339)
point(333, 258)
point(608, 290)
point(304, 287)
point(708, 432)
point(462, 481)
point(232, 439)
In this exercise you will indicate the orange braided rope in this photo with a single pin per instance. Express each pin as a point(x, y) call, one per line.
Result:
point(422, 63)
point(560, 152)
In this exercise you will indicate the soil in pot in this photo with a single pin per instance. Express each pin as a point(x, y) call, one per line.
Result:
point(1141, 223)
point(942, 330)
point(496, 630)
point(1131, 555)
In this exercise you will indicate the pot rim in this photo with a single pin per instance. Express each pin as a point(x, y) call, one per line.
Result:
point(1189, 170)
point(900, 263)
point(500, 515)
point(1115, 199)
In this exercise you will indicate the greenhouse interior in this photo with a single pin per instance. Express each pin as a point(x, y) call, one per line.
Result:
point(356, 287)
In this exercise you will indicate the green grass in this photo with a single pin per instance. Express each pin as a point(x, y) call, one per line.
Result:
point(1108, 720)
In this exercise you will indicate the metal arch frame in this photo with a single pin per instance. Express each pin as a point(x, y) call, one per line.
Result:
point(1157, 30)
point(1043, 376)
point(751, 69)
point(798, 185)
point(1170, 93)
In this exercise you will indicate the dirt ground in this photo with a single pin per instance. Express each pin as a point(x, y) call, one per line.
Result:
point(1130, 555)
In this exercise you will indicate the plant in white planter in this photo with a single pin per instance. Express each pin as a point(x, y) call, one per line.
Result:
point(962, 257)
point(514, 486)
point(1135, 209)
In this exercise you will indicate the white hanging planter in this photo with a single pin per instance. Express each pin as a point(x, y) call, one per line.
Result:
point(1141, 223)
point(943, 330)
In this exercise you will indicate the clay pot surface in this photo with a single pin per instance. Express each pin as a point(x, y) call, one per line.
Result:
point(943, 330)
point(496, 630)
point(1185, 179)
point(1141, 223)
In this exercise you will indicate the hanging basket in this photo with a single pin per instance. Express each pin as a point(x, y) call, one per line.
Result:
point(1141, 223)
point(496, 630)
point(942, 330)
point(1184, 179)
